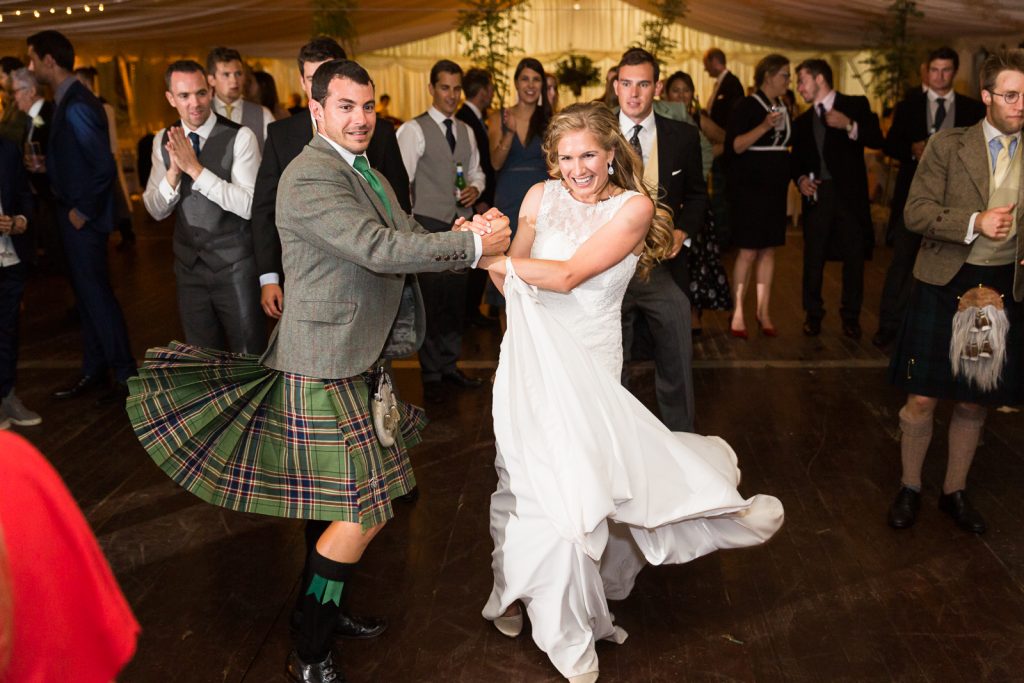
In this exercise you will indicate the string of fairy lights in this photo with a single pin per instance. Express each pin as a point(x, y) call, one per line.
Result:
point(55, 10)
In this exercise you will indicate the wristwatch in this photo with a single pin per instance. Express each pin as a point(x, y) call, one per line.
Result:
point(849, 127)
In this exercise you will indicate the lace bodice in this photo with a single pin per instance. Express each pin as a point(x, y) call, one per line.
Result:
point(592, 312)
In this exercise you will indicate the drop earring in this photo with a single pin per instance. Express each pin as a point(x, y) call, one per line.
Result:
point(611, 169)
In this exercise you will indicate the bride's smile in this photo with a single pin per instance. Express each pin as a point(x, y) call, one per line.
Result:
point(583, 165)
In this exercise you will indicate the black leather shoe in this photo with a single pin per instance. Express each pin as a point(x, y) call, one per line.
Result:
point(83, 386)
point(433, 393)
point(361, 628)
point(963, 513)
point(852, 330)
point(903, 511)
point(410, 497)
point(812, 327)
point(883, 338)
point(118, 393)
point(317, 672)
point(460, 380)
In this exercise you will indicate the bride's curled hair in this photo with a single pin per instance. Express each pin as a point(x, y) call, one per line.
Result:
point(603, 124)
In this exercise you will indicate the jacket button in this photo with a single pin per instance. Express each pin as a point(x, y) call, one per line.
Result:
point(437, 258)
point(462, 255)
point(447, 257)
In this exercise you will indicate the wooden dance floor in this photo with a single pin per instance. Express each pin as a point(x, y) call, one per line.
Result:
point(836, 595)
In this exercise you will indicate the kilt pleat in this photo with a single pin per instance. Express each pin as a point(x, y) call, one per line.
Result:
point(253, 439)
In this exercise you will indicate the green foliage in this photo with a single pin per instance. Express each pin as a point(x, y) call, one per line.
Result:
point(489, 28)
point(894, 60)
point(655, 31)
point(577, 72)
point(333, 18)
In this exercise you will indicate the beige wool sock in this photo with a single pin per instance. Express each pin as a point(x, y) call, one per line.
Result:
point(964, 432)
point(916, 436)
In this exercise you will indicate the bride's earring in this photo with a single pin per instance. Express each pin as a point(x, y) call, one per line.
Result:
point(611, 169)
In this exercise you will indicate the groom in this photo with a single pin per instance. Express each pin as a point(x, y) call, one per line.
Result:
point(348, 250)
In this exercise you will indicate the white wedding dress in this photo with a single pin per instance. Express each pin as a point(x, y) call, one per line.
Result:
point(591, 485)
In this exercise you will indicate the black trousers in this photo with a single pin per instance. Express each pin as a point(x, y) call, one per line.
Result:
point(830, 225)
point(12, 286)
point(444, 300)
point(221, 309)
point(898, 279)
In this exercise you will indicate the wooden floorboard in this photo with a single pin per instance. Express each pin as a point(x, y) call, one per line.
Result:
point(836, 595)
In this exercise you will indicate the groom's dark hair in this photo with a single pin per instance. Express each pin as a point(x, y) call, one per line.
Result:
point(337, 68)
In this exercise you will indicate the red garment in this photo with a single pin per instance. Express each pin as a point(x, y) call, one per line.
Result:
point(71, 621)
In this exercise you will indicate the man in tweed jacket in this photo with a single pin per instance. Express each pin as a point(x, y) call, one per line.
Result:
point(348, 252)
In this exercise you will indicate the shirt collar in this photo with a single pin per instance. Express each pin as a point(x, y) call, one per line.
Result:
point(991, 132)
point(62, 89)
point(627, 124)
point(721, 76)
point(828, 100)
point(33, 111)
point(438, 117)
point(348, 156)
point(473, 108)
point(932, 96)
point(204, 130)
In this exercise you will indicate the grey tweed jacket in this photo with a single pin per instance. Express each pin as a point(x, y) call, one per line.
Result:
point(348, 268)
point(950, 184)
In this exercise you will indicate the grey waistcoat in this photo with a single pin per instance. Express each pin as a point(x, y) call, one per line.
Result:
point(819, 140)
point(252, 118)
point(202, 230)
point(433, 188)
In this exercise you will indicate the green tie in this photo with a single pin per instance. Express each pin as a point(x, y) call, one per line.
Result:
point(363, 166)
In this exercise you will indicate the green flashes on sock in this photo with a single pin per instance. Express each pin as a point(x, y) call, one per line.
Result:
point(325, 590)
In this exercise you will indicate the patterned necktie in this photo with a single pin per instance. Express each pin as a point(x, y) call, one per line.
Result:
point(635, 142)
point(194, 137)
point(363, 166)
point(228, 108)
point(449, 135)
point(1000, 147)
point(940, 113)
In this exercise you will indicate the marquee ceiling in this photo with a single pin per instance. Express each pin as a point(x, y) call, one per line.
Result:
point(275, 27)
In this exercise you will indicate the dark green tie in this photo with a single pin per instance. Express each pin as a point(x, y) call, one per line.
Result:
point(363, 166)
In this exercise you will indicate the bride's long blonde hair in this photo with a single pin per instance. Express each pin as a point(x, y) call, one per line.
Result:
point(600, 122)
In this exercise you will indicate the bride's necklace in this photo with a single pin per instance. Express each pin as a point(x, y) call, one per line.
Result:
point(607, 187)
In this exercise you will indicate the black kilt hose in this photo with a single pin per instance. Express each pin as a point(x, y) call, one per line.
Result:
point(920, 365)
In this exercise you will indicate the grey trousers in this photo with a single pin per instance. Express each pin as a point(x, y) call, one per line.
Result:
point(221, 310)
point(667, 311)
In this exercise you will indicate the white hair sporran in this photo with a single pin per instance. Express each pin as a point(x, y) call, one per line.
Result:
point(977, 349)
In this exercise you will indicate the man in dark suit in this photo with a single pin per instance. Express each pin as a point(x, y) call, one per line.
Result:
point(670, 151)
point(828, 167)
point(285, 139)
point(727, 91)
point(36, 143)
point(916, 118)
point(478, 87)
point(82, 172)
point(16, 254)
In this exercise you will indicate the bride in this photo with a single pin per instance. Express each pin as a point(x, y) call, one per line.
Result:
point(591, 486)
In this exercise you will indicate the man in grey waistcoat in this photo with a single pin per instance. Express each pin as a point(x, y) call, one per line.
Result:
point(226, 75)
point(434, 146)
point(204, 171)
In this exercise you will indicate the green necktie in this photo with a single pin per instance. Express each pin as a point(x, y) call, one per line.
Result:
point(363, 166)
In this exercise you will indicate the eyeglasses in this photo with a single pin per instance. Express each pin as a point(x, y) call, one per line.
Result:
point(1008, 97)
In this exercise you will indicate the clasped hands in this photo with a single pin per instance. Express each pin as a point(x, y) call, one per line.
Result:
point(12, 225)
point(182, 156)
point(493, 229)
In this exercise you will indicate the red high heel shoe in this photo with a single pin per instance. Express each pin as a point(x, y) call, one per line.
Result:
point(767, 331)
point(739, 334)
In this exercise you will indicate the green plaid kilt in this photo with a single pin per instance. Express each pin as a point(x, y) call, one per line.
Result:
point(920, 362)
point(253, 439)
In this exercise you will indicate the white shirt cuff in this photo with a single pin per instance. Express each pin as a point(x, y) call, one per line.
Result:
point(478, 244)
point(853, 131)
point(269, 279)
point(971, 235)
point(170, 194)
point(205, 181)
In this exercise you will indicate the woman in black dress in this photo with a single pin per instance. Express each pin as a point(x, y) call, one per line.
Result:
point(756, 143)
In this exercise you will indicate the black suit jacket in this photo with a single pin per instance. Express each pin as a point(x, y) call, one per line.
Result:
point(285, 139)
point(41, 135)
point(681, 184)
point(80, 163)
point(483, 144)
point(844, 157)
point(16, 196)
point(729, 93)
point(910, 125)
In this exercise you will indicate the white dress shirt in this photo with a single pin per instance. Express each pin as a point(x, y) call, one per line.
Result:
point(234, 196)
point(990, 133)
point(236, 112)
point(412, 145)
point(714, 90)
point(829, 101)
point(350, 158)
point(933, 107)
point(8, 256)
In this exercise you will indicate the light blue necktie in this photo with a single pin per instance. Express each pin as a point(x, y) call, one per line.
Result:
point(996, 144)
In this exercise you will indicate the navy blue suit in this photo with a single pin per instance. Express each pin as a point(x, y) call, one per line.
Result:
point(82, 175)
point(15, 199)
